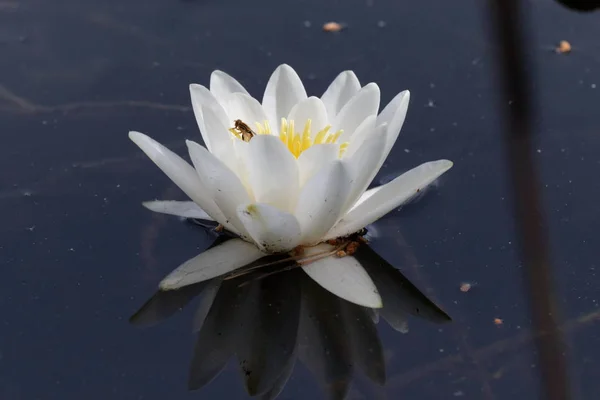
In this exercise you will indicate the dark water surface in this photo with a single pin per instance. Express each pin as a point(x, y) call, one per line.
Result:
point(79, 254)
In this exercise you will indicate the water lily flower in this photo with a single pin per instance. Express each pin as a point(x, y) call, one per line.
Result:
point(289, 175)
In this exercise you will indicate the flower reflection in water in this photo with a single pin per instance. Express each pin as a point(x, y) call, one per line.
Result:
point(268, 320)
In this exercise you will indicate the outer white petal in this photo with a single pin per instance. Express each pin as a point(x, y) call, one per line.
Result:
point(223, 185)
point(339, 92)
point(219, 260)
point(364, 164)
point(272, 229)
point(202, 98)
point(345, 278)
point(321, 201)
point(313, 159)
point(272, 172)
point(313, 109)
point(180, 172)
point(221, 139)
point(364, 131)
point(222, 85)
point(185, 209)
point(244, 107)
point(388, 197)
point(363, 104)
point(394, 115)
point(284, 90)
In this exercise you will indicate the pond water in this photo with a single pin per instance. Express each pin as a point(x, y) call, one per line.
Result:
point(80, 255)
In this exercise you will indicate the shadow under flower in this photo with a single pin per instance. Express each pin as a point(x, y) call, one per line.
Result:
point(269, 319)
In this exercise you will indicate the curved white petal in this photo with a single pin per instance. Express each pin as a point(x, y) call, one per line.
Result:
point(222, 184)
point(364, 130)
point(364, 164)
point(216, 261)
point(321, 201)
point(180, 172)
point(344, 277)
point(388, 197)
point(185, 209)
point(244, 107)
point(220, 137)
point(313, 109)
point(315, 158)
point(273, 230)
point(284, 90)
point(339, 92)
point(272, 172)
point(222, 85)
point(394, 115)
point(363, 104)
point(203, 98)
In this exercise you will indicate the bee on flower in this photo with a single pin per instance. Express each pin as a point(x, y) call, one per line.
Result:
point(289, 175)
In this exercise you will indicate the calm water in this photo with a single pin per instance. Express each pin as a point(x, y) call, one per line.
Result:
point(79, 254)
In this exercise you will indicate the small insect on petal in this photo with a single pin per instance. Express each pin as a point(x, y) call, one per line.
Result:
point(244, 131)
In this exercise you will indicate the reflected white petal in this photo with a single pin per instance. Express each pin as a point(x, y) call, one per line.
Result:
point(388, 197)
point(216, 261)
point(185, 209)
point(273, 230)
point(344, 277)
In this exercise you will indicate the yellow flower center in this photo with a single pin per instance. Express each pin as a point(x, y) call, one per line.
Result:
point(295, 141)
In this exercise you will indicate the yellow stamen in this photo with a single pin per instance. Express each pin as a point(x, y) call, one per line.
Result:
point(297, 142)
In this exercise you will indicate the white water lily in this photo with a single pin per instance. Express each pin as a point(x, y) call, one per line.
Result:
point(292, 171)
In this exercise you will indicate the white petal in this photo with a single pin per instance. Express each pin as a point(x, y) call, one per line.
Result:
point(364, 164)
point(388, 197)
point(313, 159)
point(313, 109)
point(341, 90)
point(364, 131)
point(203, 98)
point(244, 107)
point(284, 90)
point(272, 172)
point(220, 137)
point(394, 115)
point(180, 172)
point(346, 278)
point(272, 229)
point(222, 184)
point(185, 209)
point(216, 261)
point(321, 201)
point(363, 104)
point(222, 85)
